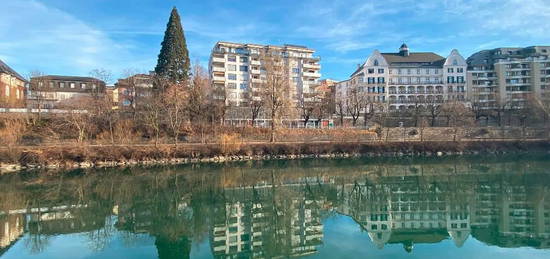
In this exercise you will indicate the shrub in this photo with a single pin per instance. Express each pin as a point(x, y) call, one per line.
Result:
point(230, 144)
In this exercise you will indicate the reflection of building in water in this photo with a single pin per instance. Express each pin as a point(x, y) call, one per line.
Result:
point(64, 222)
point(511, 215)
point(11, 229)
point(267, 222)
point(406, 211)
point(412, 209)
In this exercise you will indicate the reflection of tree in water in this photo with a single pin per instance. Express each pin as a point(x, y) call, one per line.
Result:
point(181, 207)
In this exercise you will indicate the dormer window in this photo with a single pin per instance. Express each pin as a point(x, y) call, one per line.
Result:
point(376, 62)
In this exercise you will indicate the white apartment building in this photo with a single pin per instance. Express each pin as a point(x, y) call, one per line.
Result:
point(405, 79)
point(236, 71)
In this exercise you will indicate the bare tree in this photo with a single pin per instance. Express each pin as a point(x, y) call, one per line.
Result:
point(458, 116)
point(104, 111)
point(255, 110)
point(433, 107)
point(37, 88)
point(276, 93)
point(198, 105)
point(175, 100)
point(500, 108)
point(354, 104)
point(340, 110)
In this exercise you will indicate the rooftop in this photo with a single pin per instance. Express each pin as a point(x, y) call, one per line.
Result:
point(4, 68)
point(67, 78)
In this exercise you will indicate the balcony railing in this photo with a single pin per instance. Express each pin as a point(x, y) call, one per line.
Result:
point(218, 78)
point(217, 59)
point(308, 74)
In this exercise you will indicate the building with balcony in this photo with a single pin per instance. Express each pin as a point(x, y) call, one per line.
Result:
point(237, 74)
point(128, 92)
point(405, 80)
point(509, 77)
point(48, 92)
point(12, 87)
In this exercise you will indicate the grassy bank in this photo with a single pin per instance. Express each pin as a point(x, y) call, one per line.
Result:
point(91, 156)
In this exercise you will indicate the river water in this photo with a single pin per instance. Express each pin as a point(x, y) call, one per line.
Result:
point(453, 207)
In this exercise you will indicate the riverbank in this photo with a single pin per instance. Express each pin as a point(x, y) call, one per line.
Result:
point(70, 157)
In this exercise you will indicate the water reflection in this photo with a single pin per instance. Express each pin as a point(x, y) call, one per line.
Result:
point(277, 209)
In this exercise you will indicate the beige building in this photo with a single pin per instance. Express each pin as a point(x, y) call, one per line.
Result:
point(51, 91)
point(12, 87)
point(237, 73)
point(509, 77)
point(404, 80)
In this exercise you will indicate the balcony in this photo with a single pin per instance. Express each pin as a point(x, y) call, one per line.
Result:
point(255, 71)
point(314, 74)
point(312, 66)
point(256, 80)
point(218, 79)
point(218, 59)
point(255, 62)
point(218, 69)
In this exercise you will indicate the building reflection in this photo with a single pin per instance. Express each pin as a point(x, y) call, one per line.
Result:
point(275, 216)
point(410, 209)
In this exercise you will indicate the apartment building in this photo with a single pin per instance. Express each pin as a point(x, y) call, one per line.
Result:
point(237, 74)
point(51, 91)
point(12, 87)
point(130, 91)
point(509, 77)
point(405, 80)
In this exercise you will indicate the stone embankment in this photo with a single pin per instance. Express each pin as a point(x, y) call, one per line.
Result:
point(62, 158)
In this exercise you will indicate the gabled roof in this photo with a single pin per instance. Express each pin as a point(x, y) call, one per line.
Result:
point(4, 68)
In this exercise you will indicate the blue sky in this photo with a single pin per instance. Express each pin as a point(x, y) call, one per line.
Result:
point(72, 37)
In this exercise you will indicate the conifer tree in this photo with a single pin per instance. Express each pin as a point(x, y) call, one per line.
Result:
point(173, 61)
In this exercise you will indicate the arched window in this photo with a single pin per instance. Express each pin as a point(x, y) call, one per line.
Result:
point(376, 62)
point(455, 62)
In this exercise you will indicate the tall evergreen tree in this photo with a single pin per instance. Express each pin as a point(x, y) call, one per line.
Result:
point(173, 61)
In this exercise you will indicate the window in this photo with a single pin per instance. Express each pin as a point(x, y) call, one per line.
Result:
point(73, 85)
point(450, 70)
point(380, 71)
point(295, 70)
point(51, 84)
point(40, 84)
point(418, 71)
point(232, 76)
point(295, 79)
point(244, 59)
point(231, 85)
point(61, 85)
point(450, 79)
point(399, 71)
point(460, 70)
point(374, 227)
point(83, 86)
point(436, 71)
point(380, 80)
point(7, 92)
point(408, 71)
point(232, 59)
point(94, 86)
point(243, 68)
point(371, 71)
point(244, 86)
point(231, 67)
point(376, 62)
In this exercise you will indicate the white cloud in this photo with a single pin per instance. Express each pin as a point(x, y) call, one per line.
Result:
point(36, 36)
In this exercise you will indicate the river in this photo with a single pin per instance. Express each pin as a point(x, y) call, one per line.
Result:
point(452, 207)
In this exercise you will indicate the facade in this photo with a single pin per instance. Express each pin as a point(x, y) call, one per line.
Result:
point(509, 77)
point(236, 71)
point(405, 79)
point(48, 92)
point(128, 91)
point(12, 87)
